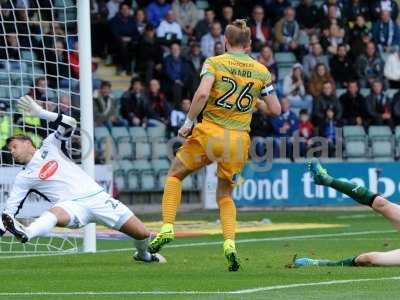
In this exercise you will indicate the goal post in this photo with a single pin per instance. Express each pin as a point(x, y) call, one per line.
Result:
point(86, 100)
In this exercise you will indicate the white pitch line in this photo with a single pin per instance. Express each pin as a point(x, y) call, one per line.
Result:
point(235, 292)
point(240, 241)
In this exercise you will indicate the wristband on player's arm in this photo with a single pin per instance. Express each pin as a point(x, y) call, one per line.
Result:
point(188, 123)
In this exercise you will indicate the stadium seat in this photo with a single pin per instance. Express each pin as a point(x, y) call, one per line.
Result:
point(162, 174)
point(120, 179)
point(340, 92)
point(157, 133)
point(188, 184)
point(160, 165)
point(390, 93)
point(356, 149)
point(133, 180)
point(353, 132)
point(379, 133)
point(365, 92)
point(120, 133)
point(285, 59)
point(125, 149)
point(159, 150)
point(28, 56)
point(141, 165)
point(148, 180)
point(4, 94)
point(4, 77)
point(138, 134)
point(283, 71)
point(142, 150)
point(382, 150)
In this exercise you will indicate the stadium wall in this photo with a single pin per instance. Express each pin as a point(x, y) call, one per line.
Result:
point(289, 184)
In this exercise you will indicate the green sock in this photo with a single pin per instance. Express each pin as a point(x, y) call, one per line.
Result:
point(361, 194)
point(347, 262)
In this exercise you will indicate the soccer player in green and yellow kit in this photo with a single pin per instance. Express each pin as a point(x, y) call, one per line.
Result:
point(228, 91)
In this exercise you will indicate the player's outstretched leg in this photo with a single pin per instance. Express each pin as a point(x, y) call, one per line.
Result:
point(321, 177)
point(362, 195)
point(370, 259)
point(14, 227)
point(308, 262)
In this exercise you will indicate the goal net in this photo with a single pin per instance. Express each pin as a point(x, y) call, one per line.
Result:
point(38, 56)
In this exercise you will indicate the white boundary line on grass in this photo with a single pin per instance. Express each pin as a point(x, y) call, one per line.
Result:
point(235, 292)
point(240, 241)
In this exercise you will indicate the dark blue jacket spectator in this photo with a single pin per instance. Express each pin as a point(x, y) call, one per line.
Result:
point(124, 27)
point(176, 68)
point(285, 124)
point(386, 33)
point(276, 9)
point(156, 11)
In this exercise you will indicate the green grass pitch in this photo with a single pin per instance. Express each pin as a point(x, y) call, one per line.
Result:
point(196, 268)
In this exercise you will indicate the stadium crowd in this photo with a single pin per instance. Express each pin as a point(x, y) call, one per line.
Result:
point(337, 45)
point(347, 45)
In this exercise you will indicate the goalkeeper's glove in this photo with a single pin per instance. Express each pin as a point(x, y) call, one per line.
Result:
point(29, 106)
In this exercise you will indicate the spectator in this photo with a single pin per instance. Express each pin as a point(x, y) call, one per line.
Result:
point(141, 21)
point(386, 33)
point(318, 79)
point(392, 70)
point(134, 104)
point(357, 8)
point(176, 72)
point(287, 32)
point(260, 31)
point(226, 16)
point(315, 57)
point(156, 11)
point(219, 48)
point(331, 9)
point(204, 25)
point(307, 16)
point(333, 17)
point(369, 66)
point(113, 8)
point(354, 105)
point(327, 100)
point(187, 15)
point(159, 109)
point(208, 41)
point(359, 35)
point(284, 126)
point(332, 38)
point(294, 89)
point(66, 108)
point(169, 30)
point(5, 126)
point(149, 54)
point(385, 5)
point(105, 107)
point(39, 91)
point(196, 60)
point(306, 131)
point(266, 58)
point(378, 106)
point(178, 116)
point(126, 36)
point(341, 67)
point(276, 9)
point(330, 130)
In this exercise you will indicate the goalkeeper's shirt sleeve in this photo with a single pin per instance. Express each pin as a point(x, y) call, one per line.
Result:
point(18, 195)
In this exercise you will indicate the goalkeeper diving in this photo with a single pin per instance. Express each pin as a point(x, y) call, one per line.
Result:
point(362, 195)
point(76, 198)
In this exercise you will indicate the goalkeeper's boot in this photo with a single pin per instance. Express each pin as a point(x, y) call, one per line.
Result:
point(319, 174)
point(231, 255)
point(165, 236)
point(152, 258)
point(305, 262)
point(2, 232)
point(14, 227)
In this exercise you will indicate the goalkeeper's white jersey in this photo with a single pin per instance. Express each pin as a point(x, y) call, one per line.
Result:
point(52, 175)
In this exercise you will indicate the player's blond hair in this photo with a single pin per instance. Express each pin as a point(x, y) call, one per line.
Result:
point(238, 34)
